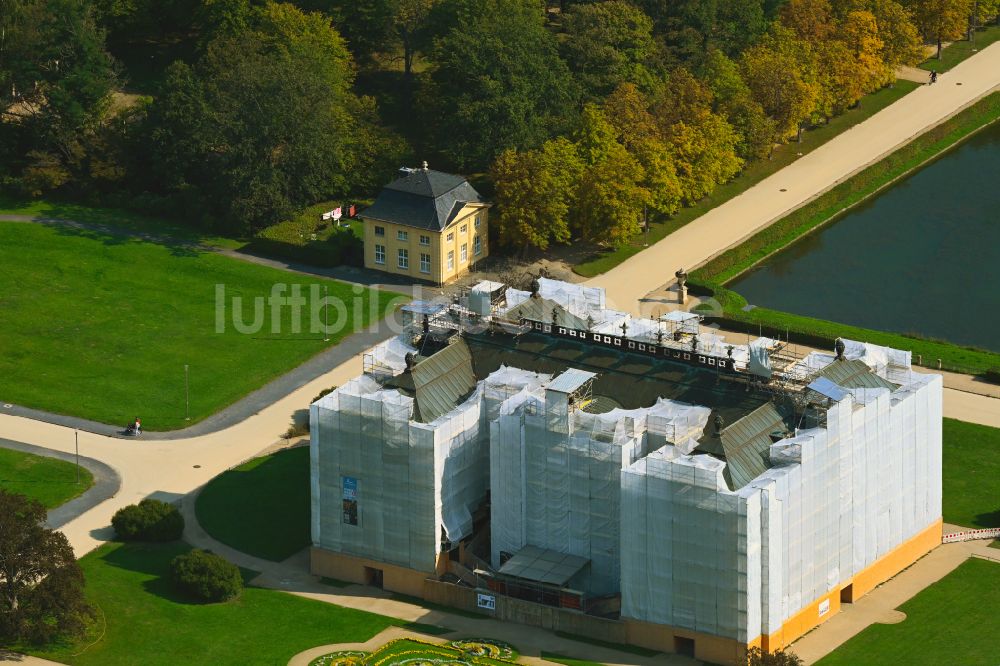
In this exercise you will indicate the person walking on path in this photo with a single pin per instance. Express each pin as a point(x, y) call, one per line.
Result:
point(933, 76)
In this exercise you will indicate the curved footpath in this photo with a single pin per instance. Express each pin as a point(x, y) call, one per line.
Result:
point(739, 218)
point(169, 469)
point(106, 483)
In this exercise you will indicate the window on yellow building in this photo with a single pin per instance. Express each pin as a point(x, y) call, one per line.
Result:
point(465, 229)
point(479, 219)
point(380, 231)
point(477, 246)
point(451, 260)
point(465, 252)
point(380, 254)
point(425, 263)
point(402, 235)
point(403, 259)
point(425, 240)
point(451, 237)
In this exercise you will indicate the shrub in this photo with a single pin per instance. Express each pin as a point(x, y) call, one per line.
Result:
point(325, 392)
point(205, 576)
point(992, 375)
point(149, 520)
point(758, 657)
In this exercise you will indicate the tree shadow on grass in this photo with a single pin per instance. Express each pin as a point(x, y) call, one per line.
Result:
point(153, 559)
point(991, 519)
point(261, 507)
point(111, 236)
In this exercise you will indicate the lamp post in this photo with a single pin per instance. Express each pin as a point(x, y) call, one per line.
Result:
point(326, 313)
point(187, 394)
point(76, 434)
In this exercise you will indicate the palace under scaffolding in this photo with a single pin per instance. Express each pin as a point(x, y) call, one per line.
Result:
point(643, 480)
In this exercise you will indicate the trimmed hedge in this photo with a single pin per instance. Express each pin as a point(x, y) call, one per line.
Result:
point(205, 576)
point(149, 520)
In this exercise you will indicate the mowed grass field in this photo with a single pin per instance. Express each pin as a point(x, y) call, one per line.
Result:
point(260, 507)
point(954, 621)
point(971, 475)
point(145, 622)
point(48, 480)
point(100, 326)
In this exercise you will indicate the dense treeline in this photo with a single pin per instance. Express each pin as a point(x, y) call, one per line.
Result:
point(237, 113)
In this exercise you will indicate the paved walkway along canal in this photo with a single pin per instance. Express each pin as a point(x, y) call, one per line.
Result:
point(816, 172)
point(921, 257)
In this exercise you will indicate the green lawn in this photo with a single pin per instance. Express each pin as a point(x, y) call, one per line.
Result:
point(569, 661)
point(112, 218)
point(148, 624)
point(101, 326)
point(956, 52)
point(754, 173)
point(971, 475)
point(954, 621)
point(305, 238)
point(48, 480)
point(260, 507)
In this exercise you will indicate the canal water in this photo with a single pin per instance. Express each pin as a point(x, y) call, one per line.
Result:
point(921, 257)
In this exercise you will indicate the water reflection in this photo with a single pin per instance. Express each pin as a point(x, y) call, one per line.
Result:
point(922, 257)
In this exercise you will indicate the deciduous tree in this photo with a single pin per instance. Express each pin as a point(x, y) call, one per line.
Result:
point(55, 81)
point(636, 129)
point(535, 190)
point(758, 657)
point(41, 584)
point(701, 142)
point(497, 82)
point(941, 20)
point(610, 196)
point(409, 20)
point(263, 124)
point(859, 32)
point(809, 19)
point(732, 99)
point(901, 43)
point(610, 199)
point(704, 153)
point(606, 44)
point(779, 72)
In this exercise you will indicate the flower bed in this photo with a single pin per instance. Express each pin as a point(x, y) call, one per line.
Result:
point(412, 652)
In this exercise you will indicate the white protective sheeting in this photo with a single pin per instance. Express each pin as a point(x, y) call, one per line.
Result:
point(461, 468)
point(409, 480)
point(555, 478)
point(673, 422)
point(575, 298)
point(391, 354)
point(892, 364)
point(835, 500)
point(685, 546)
point(622, 490)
